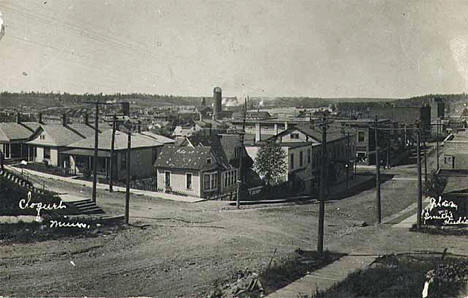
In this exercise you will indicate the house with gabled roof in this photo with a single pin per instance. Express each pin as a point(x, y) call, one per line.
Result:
point(302, 147)
point(202, 165)
point(13, 138)
point(78, 157)
point(49, 140)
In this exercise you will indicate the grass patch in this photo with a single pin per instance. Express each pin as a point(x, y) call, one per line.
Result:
point(42, 231)
point(404, 276)
point(442, 230)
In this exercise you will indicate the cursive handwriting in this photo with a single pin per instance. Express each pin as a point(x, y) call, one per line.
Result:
point(441, 203)
point(443, 211)
point(25, 204)
point(60, 224)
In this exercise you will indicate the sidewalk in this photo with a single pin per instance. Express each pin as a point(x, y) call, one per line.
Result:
point(325, 277)
point(152, 194)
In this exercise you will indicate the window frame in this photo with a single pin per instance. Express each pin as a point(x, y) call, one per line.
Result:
point(189, 183)
point(166, 180)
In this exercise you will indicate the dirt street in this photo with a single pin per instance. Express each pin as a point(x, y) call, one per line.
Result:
point(182, 249)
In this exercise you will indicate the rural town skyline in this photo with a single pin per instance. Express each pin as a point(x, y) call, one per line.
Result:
point(262, 48)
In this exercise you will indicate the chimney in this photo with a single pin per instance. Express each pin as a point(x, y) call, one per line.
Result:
point(39, 118)
point(139, 126)
point(258, 132)
point(276, 128)
point(18, 117)
point(86, 118)
point(286, 125)
point(64, 119)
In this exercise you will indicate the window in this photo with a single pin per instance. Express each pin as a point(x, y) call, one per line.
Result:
point(208, 161)
point(294, 136)
point(308, 156)
point(292, 160)
point(6, 149)
point(189, 181)
point(225, 179)
point(301, 158)
point(214, 180)
point(123, 160)
point(42, 137)
point(206, 181)
point(47, 153)
point(167, 179)
point(361, 136)
point(210, 181)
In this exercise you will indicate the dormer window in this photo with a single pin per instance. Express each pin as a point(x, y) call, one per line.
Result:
point(294, 136)
point(42, 137)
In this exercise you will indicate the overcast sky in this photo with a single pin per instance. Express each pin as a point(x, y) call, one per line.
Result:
point(260, 48)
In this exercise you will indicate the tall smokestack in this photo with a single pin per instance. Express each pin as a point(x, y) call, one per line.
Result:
point(218, 98)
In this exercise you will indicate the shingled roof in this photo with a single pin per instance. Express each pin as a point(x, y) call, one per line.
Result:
point(120, 142)
point(186, 157)
point(11, 131)
point(61, 135)
point(313, 133)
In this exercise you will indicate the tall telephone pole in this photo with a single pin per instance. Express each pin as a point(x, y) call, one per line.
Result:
point(241, 157)
point(114, 120)
point(323, 182)
point(418, 153)
point(96, 131)
point(437, 145)
point(127, 192)
point(377, 173)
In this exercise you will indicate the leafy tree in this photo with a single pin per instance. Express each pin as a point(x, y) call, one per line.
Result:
point(270, 162)
point(435, 185)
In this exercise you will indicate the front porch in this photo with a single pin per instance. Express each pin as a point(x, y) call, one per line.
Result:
point(18, 151)
point(80, 162)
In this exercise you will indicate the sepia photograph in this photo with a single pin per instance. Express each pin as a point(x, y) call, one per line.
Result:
point(234, 148)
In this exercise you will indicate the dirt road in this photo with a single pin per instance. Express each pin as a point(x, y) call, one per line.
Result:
point(183, 249)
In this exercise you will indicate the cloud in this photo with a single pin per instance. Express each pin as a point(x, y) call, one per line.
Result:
point(459, 48)
point(2, 26)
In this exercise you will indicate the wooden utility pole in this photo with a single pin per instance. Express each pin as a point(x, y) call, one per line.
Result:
point(418, 153)
point(127, 192)
point(323, 185)
point(241, 157)
point(347, 160)
point(437, 145)
point(377, 173)
point(96, 131)
point(111, 169)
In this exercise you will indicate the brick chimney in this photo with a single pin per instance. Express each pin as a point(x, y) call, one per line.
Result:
point(18, 117)
point(64, 119)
